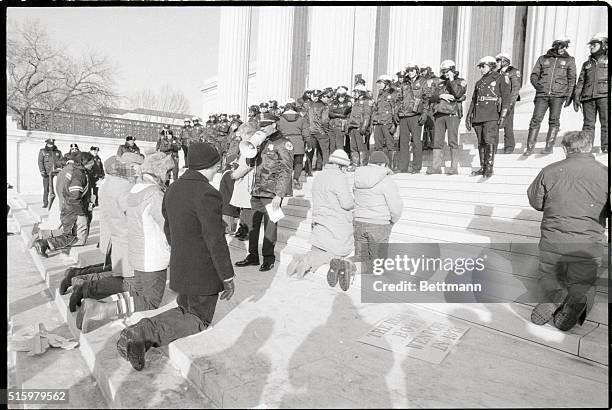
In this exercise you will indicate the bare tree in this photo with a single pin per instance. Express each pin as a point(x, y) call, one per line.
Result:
point(41, 75)
point(167, 99)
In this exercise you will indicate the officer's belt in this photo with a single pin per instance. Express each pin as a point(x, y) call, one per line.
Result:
point(487, 98)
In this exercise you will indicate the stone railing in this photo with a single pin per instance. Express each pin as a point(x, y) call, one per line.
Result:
point(93, 125)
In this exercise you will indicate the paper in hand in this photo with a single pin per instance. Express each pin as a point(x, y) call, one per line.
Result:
point(275, 215)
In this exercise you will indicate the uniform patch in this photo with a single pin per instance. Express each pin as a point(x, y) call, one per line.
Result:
point(493, 84)
point(588, 66)
point(271, 147)
point(507, 79)
point(463, 83)
point(518, 74)
point(563, 62)
point(289, 145)
point(349, 104)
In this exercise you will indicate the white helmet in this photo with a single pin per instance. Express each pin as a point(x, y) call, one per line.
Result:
point(599, 38)
point(563, 39)
point(501, 56)
point(447, 65)
point(385, 78)
point(290, 101)
point(486, 60)
point(341, 91)
point(360, 87)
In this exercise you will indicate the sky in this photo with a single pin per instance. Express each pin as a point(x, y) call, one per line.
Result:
point(150, 46)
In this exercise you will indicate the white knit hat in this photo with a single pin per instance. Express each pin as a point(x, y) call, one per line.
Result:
point(339, 157)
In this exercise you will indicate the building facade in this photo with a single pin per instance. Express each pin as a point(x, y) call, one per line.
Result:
point(315, 47)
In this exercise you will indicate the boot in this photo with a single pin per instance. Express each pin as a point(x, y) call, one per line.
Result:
point(481, 155)
point(354, 162)
point(242, 234)
point(132, 345)
point(75, 298)
point(297, 184)
point(94, 311)
point(489, 159)
point(363, 158)
point(532, 137)
point(454, 170)
point(42, 247)
point(395, 160)
point(550, 140)
point(436, 162)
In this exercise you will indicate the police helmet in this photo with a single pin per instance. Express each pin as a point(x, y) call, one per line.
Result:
point(195, 119)
point(360, 88)
point(223, 115)
point(254, 108)
point(561, 41)
point(263, 105)
point(384, 78)
point(447, 65)
point(289, 101)
point(341, 91)
point(486, 60)
point(412, 66)
point(360, 81)
point(601, 38)
point(317, 93)
point(503, 56)
point(187, 120)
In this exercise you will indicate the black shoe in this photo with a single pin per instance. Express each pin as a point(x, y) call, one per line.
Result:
point(45, 205)
point(266, 266)
point(67, 281)
point(543, 312)
point(604, 150)
point(41, 246)
point(567, 317)
point(248, 261)
point(508, 150)
point(415, 171)
point(332, 273)
point(131, 346)
point(75, 298)
point(297, 184)
point(478, 172)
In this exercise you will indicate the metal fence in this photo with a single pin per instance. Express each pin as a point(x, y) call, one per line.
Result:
point(93, 125)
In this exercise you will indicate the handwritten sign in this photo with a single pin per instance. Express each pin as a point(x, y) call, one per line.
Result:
point(421, 338)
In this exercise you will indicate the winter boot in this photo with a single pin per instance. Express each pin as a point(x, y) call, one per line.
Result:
point(481, 155)
point(334, 269)
point(454, 168)
point(354, 162)
point(75, 298)
point(132, 345)
point(42, 247)
point(550, 140)
point(532, 137)
point(489, 160)
point(436, 162)
point(297, 185)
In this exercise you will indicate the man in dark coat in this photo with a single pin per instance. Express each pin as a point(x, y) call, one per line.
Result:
point(49, 164)
point(97, 172)
point(129, 146)
point(574, 196)
point(199, 259)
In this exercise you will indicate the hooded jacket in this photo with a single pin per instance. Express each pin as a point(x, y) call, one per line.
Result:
point(148, 249)
point(554, 75)
point(332, 216)
point(295, 128)
point(593, 80)
point(377, 198)
point(49, 160)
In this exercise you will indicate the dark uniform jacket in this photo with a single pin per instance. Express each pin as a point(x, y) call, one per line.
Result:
point(76, 192)
point(593, 80)
point(185, 136)
point(491, 96)
point(385, 108)
point(295, 128)
point(97, 171)
point(197, 133)
point(199, 258)
point(574, 195)
point(49, 160)
point(413, 97)
point(361, 113)
point(339, 113)
point(223, 130)
point(126, 148)
point(318, 117)
point(554, 75)
point(513, 76)
point(274, 166)
point(457, 88)
point(169, 146)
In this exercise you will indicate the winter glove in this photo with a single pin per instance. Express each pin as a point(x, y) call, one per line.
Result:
point(422, 119)
point(502, 117)
point(44, 174)
point(568, 101)
point(468, 124)
point(228, 289)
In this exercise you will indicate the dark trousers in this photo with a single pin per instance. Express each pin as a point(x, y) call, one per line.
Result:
point(94, 190)
point(541, 105)
point(568, 274)
point(48, 190)
point(75, 232)
point(357, 141)
point(310, 145)
point(428, 131)
point(192, 315)
point(410, 134)
point(383, 138)
point(322, 144)
point(185, 151)
point(246, 218)
point(102, 285)
point(148, 289)
point(444, 123)
point(337, 139)
point(298, 164)
point(486, 133)
point(592, 108)
point(368, 238)
point(258, 205)
point(509, 129)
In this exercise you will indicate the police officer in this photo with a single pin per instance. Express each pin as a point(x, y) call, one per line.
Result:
point(49, 164)
point(303, 103)
point(264, 107)
point(428, 128)
point(384, 116)
point(359, 127)
point(273, 107)
point(222, 141)
point(96, 173)
point(169, 145)
point(592, 89)
point(513, 77)
point(197, 130)
point(73, 148)
point(185, 139)
point(413, 97)
point(339, 111)
point(271, 183)
point(129, 146)
point(448, 93)
point(318, 121)
point(554, 78)
point(253, 114)
point(488, 110)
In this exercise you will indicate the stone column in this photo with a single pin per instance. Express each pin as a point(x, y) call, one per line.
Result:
point(274, 53)
point(507, 42)
point(415, 34)
point(544, 23)
point(331, 45)
point(464, 28)
point(299, 60)
point(364, 40)
point(233, 73)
